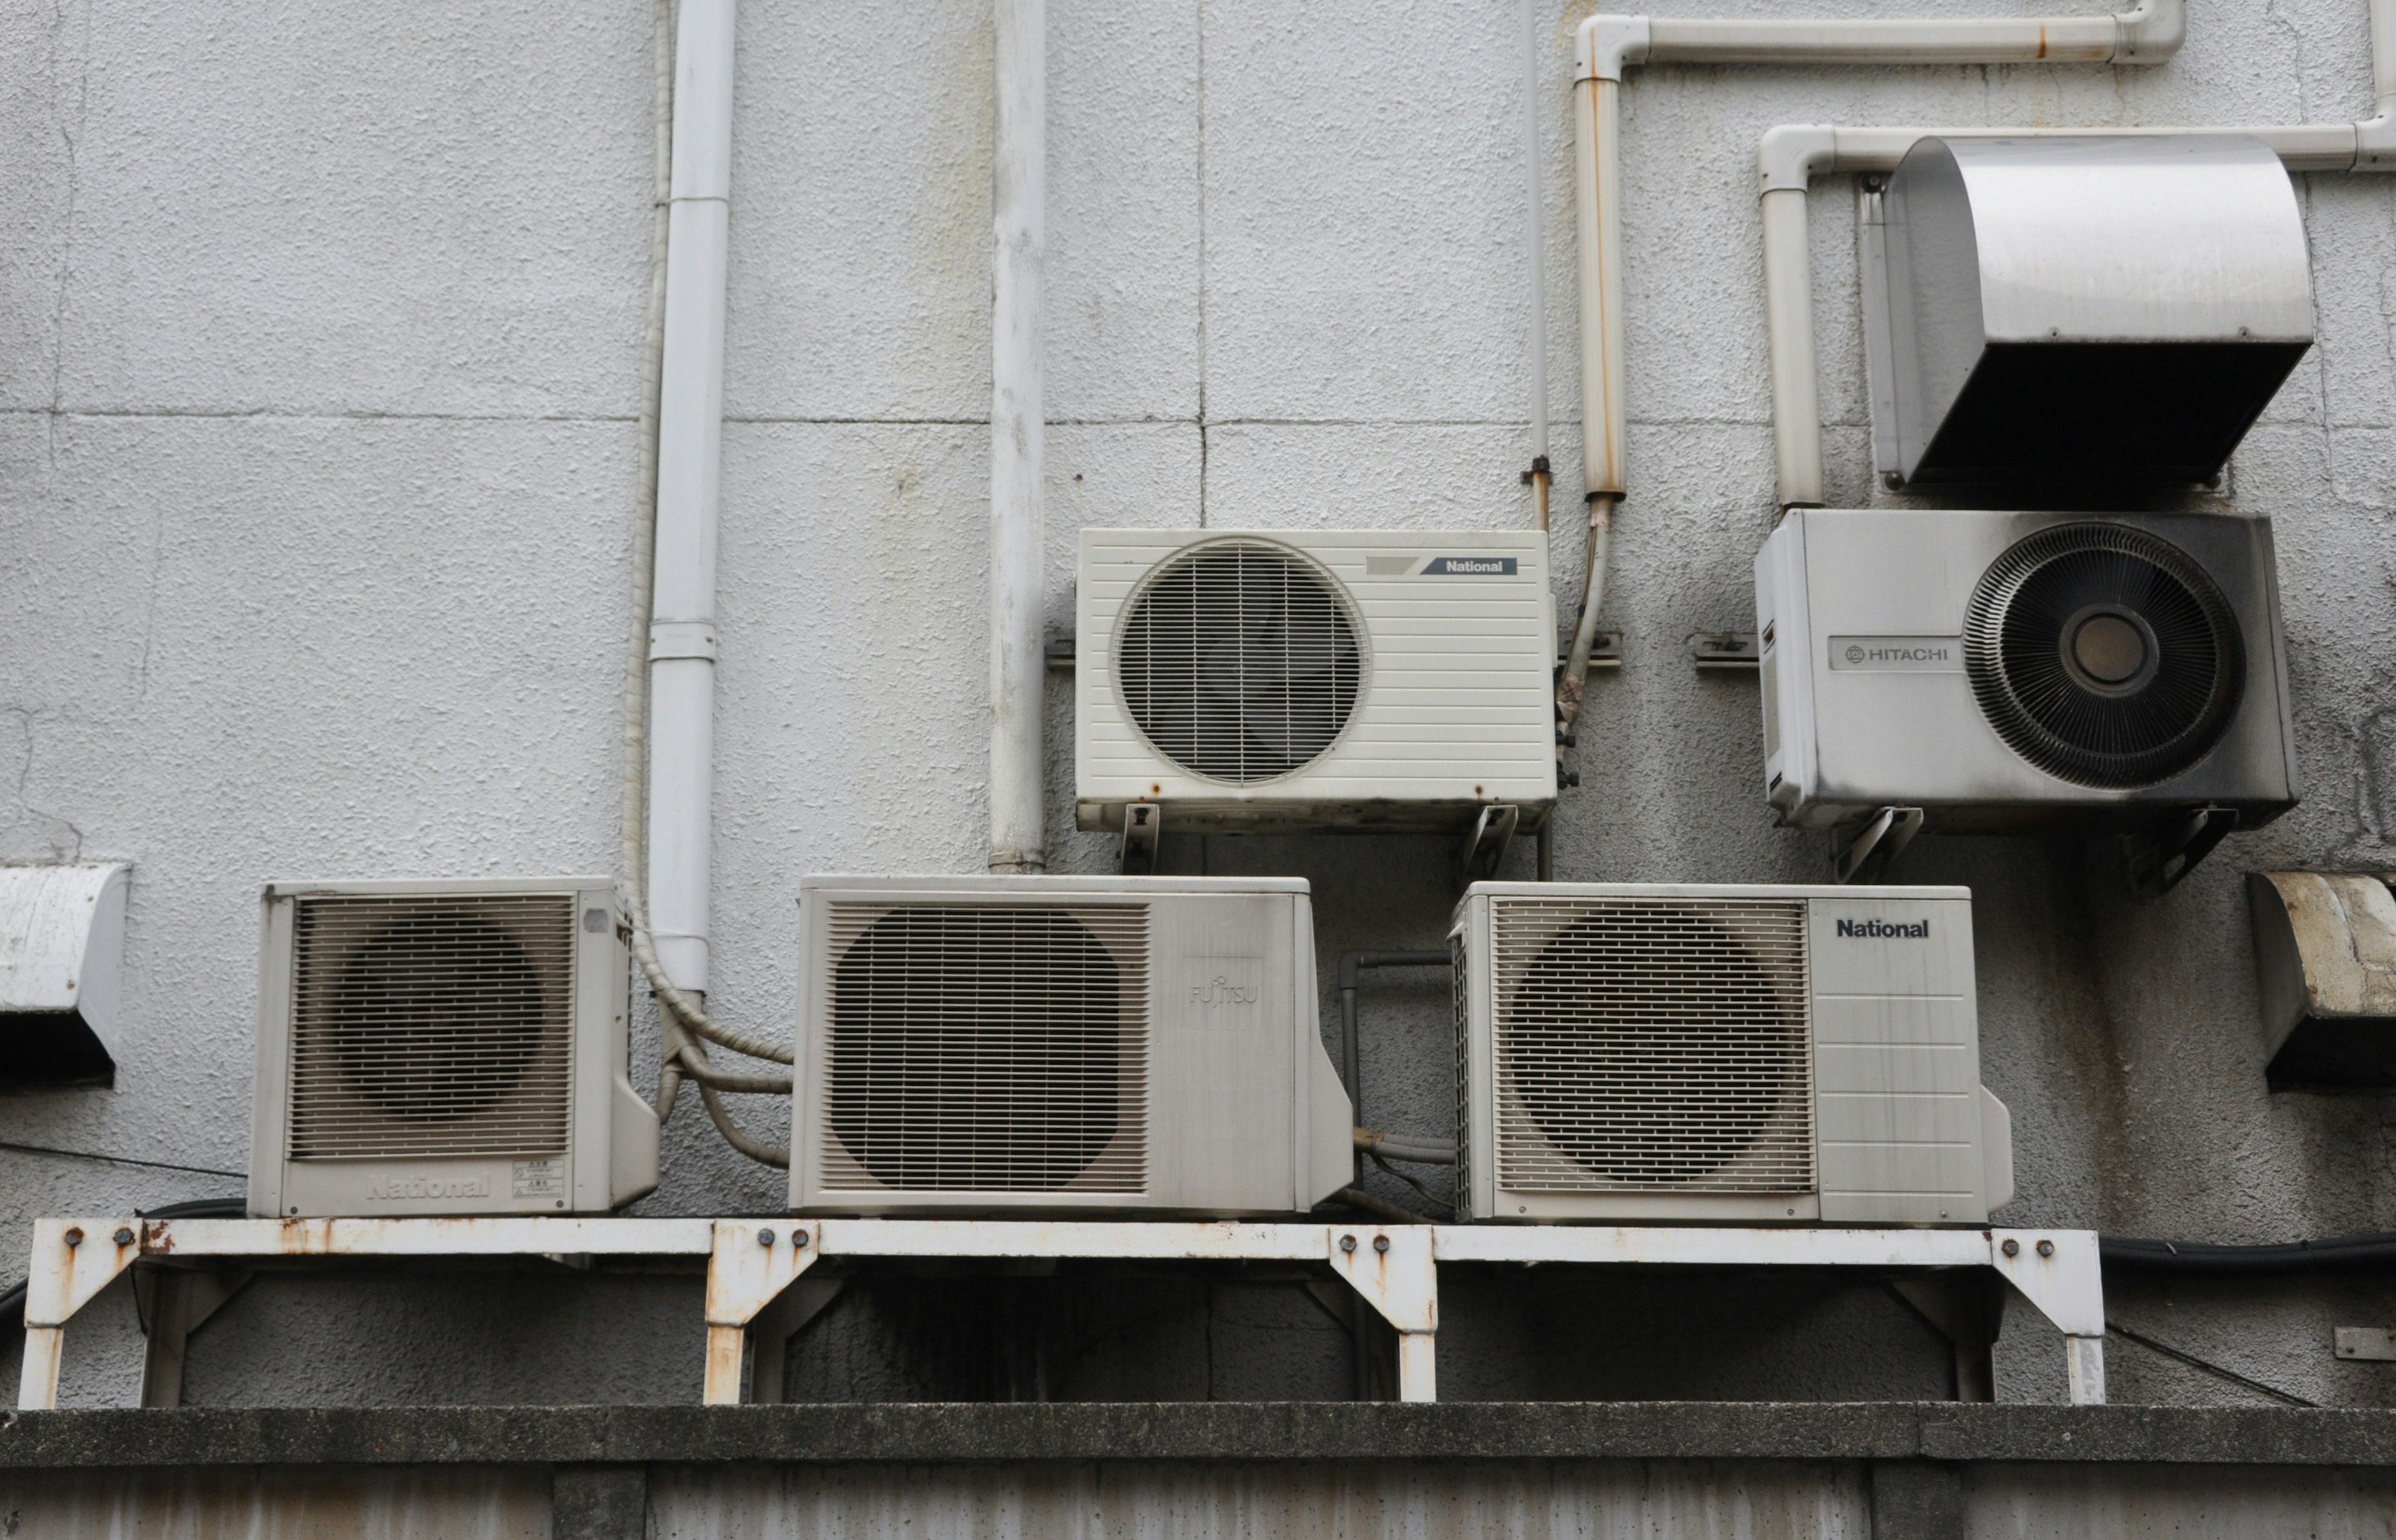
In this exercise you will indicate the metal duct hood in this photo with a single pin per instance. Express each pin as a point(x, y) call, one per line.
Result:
point(2325, 975)
point(2114, 308)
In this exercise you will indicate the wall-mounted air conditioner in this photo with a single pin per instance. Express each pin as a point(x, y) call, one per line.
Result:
point(1314, 678)
point(2008, 672)
point(1740, 1053)
point(1135, 1045)
point(445, 1048)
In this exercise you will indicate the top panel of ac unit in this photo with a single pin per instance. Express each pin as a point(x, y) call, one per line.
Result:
point(1314, 678)
point(2114, 308)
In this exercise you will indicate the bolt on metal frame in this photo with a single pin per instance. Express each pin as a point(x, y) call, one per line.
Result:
point(752, 1262)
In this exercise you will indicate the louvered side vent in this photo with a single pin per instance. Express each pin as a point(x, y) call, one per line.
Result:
point(1653, 1046)
point(1240, 660)
point(986, 1048)
point(1460, 991)
point(427, 1027)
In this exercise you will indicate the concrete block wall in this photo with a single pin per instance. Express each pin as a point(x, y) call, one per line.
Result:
point(319, 334)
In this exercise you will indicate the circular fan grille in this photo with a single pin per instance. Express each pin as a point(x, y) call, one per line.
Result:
point(2103, 655)
point(1240, 661)
point(975, 1049)
point(1658, 1044)
point(438, 1016)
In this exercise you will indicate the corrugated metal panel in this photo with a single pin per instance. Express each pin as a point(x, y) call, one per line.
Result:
point(1558, 1501)
point(278, 1503)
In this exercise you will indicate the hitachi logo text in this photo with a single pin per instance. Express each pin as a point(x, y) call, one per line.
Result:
point(399, 1190)
point(1902, 930)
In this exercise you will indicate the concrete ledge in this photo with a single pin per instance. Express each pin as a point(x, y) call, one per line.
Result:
point(1187, 1431)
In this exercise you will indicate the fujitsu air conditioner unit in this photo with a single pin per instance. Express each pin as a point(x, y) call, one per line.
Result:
point(2024, 671)
point(1632, 1053)
point(972, 1045)
point(1311, 678)
point(444, 1047)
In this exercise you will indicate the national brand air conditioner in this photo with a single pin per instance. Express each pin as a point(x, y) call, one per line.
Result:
point(1635, 1052)
point(2021, 672)
point(445, 1048)
point(972, 1045)
point(1312, 678)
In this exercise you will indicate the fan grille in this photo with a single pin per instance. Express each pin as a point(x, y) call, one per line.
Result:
point(986, 1048)
point(1240, 661)
point(1653, 1046)
point(2103, 655)
point(431, 1025)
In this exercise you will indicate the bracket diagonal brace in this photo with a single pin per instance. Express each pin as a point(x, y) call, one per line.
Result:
point(752, 1262)
point(1392, 1269)
point(2059, 1272)
point(74, 1260)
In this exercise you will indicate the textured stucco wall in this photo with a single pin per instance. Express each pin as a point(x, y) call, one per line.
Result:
point(318, 358)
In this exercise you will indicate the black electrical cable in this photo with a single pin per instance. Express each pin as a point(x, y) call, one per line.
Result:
point(12, 1299)
point(118, 1160)
point(2287, 1256)
point(2232, 1376)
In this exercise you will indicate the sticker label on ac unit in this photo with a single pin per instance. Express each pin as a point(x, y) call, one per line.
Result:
point(1897, 654)
point(539, 1179)
point(1220, 994)
point(1443, 566)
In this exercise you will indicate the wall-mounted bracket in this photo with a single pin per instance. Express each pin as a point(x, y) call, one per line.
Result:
point(1864, 854)
point(1143, 828)
point(1725, 652)
point(1484, 845)
point(2154, 863)
point(1605, 649)
point(181, 1299)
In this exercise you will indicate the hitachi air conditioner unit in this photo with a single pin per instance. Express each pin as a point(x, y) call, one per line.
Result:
point(1311, 678)
point(2009, 672)
point(973, 1045)
point(445, 1048)
point(1751, 1054)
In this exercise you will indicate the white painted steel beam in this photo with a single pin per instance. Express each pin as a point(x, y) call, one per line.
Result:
point(752, 1262)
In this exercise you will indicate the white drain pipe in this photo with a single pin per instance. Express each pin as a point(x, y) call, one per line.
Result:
point(691, 432)
point(2146, 34)
point(1019, 197)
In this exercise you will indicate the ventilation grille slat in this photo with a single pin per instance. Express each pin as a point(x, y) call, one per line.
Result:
point(431, 1026)
point(1240, 661)
point(1655, 1045)
point(987, 1048)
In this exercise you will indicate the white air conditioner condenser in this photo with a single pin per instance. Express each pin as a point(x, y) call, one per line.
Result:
point(2022, 672)
point(1297, 679)
point(1754, 1055)
point(444, 1047)
point(1125, 1044)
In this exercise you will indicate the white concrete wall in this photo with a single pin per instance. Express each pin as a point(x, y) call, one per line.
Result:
point(318, 359)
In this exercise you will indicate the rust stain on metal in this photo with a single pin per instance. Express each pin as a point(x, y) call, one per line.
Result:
point(158, 1238)
point(2042, 42)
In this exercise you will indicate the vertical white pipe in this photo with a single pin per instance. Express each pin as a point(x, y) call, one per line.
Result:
point(691, 430)
point(1788, 319)
point(1536, 174)
point(1598, 161)
point(2383, 56)
point(1019, 195)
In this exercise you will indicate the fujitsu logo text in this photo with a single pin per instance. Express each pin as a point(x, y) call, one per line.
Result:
point(402, 1188)
point(1220, 991)
point(1915, 930)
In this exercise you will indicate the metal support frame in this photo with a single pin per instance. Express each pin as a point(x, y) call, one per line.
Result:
point(1143, 829)
point(1484, 842)
point(752, 1264)
point(2153, 863)
point(1863, 853)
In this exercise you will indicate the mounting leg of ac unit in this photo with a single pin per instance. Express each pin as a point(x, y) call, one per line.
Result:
point(1484, 843)
point(1864, 854)
point(1143, 826)
point(2156, 861)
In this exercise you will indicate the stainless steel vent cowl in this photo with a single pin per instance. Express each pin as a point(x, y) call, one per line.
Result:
point(2108, 308)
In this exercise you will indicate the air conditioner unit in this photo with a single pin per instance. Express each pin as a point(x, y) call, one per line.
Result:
point(1310, 678)
point(445, 1048)
point(1635, 1053)
point(2010, 671)
point(971, 1044)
